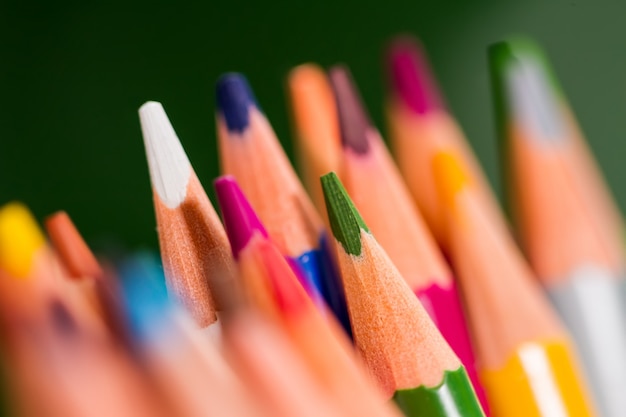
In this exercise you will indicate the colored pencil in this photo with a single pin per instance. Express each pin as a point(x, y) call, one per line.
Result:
point(374, 184)
point(98, 282)
point(245, 234)
point(193, 243)
point(26, 282)
point(76, 257)
point(559, 224)
point(184, 365)
point(71, 247)
point(398, 341)
point(316, 128)
point(527, 364)
point(243, 228)
point(250, 152)
point(419, 126)
point(322, 344)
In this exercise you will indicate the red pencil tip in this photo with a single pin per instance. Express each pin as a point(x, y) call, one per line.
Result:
point(289, 293)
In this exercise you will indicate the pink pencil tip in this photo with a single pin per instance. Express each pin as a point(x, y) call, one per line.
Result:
point(411, 78)
point(240, 220)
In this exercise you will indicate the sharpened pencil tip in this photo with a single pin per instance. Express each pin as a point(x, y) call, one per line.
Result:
point(353, 119)
point(510, 50)
point(411, 78)
point(170, 169)
point(346, 222)
point(20, 239)
point(150, 106)
point(450, 177)
point(234, 97)
point(144, 292)
point(289, 293)
point(240, 220)
point(71, 248)
point(524, 88)
point(306, 75)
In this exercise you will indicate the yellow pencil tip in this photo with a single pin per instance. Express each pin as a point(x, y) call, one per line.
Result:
point(450, 177)
point(20, 238)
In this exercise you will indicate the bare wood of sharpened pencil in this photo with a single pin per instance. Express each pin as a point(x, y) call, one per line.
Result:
point(521, 343)
point(504, 314)
point(315, 126)
point(374, 184)
point(420, 126)
point(255, 158)
point(193, 243)
point(400, 345)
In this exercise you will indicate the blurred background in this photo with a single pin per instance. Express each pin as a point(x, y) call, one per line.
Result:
point(72, 76)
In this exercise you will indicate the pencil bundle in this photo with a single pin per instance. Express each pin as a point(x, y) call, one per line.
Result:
point(384, 291)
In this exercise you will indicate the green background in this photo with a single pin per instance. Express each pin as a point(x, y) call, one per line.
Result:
point(72, 76)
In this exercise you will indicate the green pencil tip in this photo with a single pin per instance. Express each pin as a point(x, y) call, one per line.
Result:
point(505, 56)
point(525, 87)
point(345, 221)
point(525, 92)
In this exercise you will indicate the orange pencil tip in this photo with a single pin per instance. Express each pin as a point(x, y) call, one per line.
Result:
point(307, 75)
point(71, 247)
point(450, 177)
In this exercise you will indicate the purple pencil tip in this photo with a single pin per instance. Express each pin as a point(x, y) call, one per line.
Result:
point(240, 220)
point(353, 119)
point(411, 78)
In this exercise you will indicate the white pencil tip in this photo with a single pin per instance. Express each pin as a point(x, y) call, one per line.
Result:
point(169, 167)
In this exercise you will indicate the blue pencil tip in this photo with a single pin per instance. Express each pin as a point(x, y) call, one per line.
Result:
point(145, 295)
point(234, 98)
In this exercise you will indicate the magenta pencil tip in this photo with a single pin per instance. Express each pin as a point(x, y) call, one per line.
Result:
point(411, 79)
point(240, 220)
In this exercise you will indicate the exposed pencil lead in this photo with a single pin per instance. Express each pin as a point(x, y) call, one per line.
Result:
point(240, 220)
point(353, 119)
point(411, 78)
point(524, 87)
point(345, 221)
point(144, 293)
point(71, 247)
point(449, 177)
point(234, 97)
point(169, 166)
point(20, 239)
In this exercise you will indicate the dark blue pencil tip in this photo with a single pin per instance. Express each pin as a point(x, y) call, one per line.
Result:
point(234, 98)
